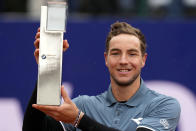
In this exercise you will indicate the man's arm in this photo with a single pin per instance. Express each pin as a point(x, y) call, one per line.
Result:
point(68, 113)
point(35, 120)
point(88, 124)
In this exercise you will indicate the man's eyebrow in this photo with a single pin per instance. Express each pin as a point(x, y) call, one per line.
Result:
point(129, 50)
point(114, 49)
point(133, 50)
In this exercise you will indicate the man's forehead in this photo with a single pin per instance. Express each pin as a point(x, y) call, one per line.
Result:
point(123, 36)
point(124, 46)
point(123, 39)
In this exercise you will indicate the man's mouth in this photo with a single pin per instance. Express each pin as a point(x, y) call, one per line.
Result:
point(124, 70)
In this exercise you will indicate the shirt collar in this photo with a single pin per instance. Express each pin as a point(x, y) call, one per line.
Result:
point(135, 100)
point(109, 97)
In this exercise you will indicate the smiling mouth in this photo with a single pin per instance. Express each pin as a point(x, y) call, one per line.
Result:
point(124, 70)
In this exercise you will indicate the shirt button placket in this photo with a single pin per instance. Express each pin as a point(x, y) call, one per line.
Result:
point(117, 115)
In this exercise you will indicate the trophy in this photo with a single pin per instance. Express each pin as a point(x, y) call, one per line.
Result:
point(52, 27)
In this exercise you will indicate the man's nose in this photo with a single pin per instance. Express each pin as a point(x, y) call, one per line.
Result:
point(123, 60)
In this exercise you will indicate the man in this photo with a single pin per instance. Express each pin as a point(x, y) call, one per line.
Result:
point(128, 105)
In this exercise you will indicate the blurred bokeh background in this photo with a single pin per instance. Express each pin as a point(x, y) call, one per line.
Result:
point(169, 27)
point(144, 9)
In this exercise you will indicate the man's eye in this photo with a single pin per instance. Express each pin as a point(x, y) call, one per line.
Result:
point(115, 53)
point(132, 54)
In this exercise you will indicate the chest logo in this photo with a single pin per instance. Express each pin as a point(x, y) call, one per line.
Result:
point(137, 120)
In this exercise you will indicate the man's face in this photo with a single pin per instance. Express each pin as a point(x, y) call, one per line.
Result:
point(124, 59)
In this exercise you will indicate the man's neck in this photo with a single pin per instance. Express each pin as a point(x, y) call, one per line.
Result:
point(124, 93)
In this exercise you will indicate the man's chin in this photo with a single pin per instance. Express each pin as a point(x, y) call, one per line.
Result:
point(124, 83)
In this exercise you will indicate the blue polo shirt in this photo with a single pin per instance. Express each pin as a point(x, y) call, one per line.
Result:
point(146, 108)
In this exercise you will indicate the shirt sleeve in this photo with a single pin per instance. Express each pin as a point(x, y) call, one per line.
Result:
point(162, 114)
point(80, 101)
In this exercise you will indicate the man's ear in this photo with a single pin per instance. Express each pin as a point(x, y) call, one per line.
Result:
point(105, 56)
point(144, 59)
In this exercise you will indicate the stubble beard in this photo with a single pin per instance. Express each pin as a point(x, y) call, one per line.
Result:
point(128, 83)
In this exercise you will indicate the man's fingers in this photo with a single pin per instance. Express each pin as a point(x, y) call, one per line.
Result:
point(37, 35)
point(38, 30)
point(65, 45)
point(36, 54)
point(65, 95)
point(36, 43)
point(45, 108)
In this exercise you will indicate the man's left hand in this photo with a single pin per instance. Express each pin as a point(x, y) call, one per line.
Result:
point(67, 112)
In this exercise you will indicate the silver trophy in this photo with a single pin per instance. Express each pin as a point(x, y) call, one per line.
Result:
point(52, 27)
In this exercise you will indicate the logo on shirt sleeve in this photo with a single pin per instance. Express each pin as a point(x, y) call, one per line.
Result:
point(165, 123)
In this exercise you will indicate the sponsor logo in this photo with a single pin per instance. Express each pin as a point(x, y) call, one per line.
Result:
point(165, 123)
point(137, 121)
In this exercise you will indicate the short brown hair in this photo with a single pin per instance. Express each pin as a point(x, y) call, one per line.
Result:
point(124, 28)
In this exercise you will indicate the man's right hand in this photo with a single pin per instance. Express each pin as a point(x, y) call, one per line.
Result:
point(66, 112)
point(36, 44)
